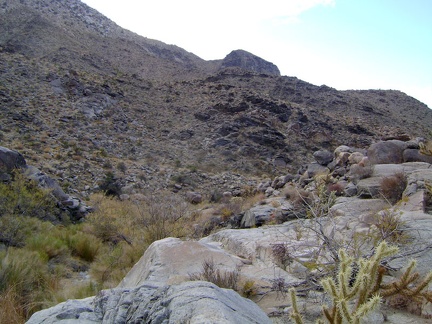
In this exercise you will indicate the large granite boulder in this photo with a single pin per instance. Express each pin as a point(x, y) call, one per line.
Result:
point(388, 152)
point(173, 260)
point(188, 302)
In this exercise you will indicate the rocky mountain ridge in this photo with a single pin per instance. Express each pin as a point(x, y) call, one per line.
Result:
point(80, 97)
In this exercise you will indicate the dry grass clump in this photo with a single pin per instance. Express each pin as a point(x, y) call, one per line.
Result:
point(127, 228)
point(221, 278)
point(297, 196)
point(388, 226)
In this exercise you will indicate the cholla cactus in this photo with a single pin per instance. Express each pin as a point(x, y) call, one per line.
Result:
point(356, 293)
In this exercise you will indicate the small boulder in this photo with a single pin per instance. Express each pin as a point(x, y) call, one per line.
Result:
point(10, 160)
point(256, 216)
point(355, 158)
point(314, 169)
point(194, 197)
point(323, 157)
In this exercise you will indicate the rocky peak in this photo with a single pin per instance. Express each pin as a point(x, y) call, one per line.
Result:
point(249, 61)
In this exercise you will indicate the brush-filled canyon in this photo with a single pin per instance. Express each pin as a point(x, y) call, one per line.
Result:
point(143, 184)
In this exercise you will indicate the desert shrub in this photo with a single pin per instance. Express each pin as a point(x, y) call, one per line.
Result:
point(23, 197)
point(392, 187)
point(280, 286)
point(121, 166)
point(12, 230)
point(162, 216)
point(48, 246)
point(248, 289)
point(113, 220)
point(11, 311)
point(298, 196)
point(388, 226)
point(230, 208)
point(320, 205)
point(113, 263)
point(281, 254)
point(110, 185)
point(83, 245)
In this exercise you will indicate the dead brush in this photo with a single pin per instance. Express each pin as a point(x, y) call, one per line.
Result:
point(392, 187)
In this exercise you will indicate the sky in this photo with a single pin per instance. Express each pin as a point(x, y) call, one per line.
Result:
point(344, 44)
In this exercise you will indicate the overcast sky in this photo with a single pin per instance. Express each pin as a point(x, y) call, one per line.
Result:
point(345, 44)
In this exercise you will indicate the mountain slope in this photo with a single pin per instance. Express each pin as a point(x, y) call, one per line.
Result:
point(81, 96)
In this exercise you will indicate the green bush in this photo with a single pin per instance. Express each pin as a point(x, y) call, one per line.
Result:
point(23, 197)
point(110, 185)
point(48, 246)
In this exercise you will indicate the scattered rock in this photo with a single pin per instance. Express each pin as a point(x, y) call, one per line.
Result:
point(194, 197)
point(323, 157)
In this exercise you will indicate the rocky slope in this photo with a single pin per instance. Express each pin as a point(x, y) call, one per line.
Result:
point(267, 260)
point(79, 95)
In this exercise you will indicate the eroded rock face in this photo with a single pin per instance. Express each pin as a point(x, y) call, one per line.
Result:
point(188, 302)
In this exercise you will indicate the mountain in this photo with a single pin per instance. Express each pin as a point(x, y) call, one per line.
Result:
point(81, 97)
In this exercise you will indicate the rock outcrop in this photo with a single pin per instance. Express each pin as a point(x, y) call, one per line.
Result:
point(188, 302)
point(247, 61)
point(11, 160)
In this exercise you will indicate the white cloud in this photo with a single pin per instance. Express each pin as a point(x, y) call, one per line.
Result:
point(209, 29)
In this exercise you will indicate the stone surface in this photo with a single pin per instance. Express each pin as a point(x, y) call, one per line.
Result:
point(256, 216)
point(387, 152)
point(369, 187)
point(188, 302)
point(413, 155)
point(172, 260)
point(323, 157)
point(9, 160)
